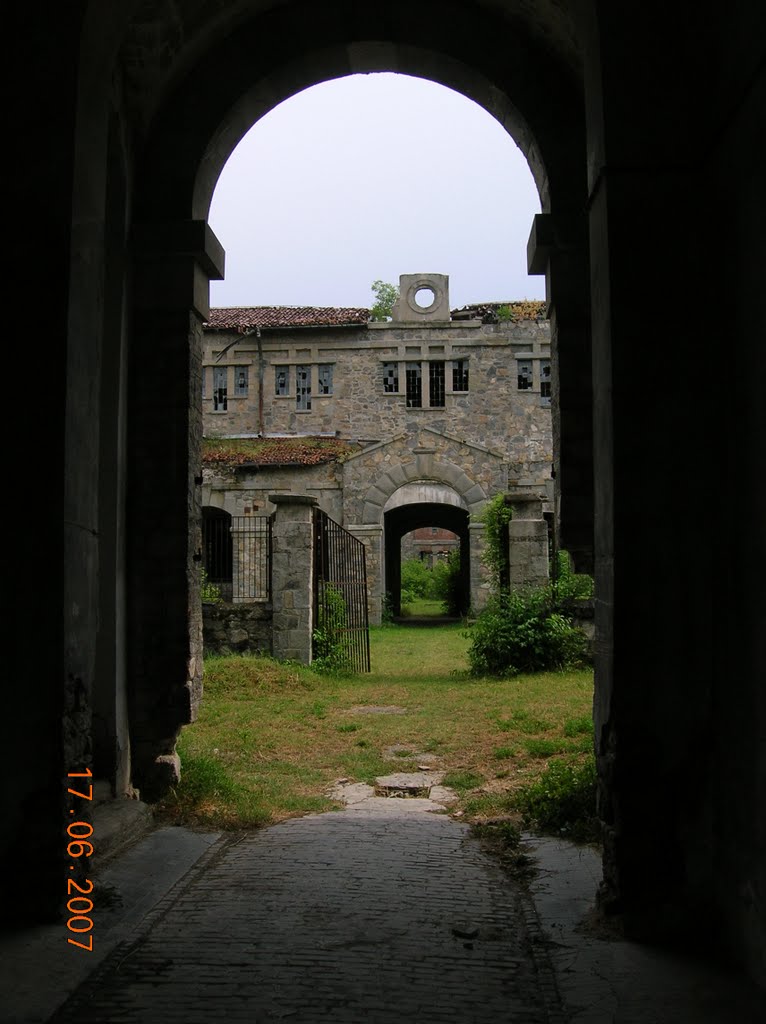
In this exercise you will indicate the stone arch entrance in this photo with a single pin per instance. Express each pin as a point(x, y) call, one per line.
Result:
point(402, 516)
point(142, 104)
point(428, 491)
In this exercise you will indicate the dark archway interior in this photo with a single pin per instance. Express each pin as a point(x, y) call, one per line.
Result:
point(400, 521)
point(647, 150)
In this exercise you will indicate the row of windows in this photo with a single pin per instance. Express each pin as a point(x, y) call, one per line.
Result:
point(282, 384)
point(436, 371)
point(413, 379)
point(303, 383)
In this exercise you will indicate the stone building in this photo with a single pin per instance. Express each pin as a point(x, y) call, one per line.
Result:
point(643, 129)
point(393, 426)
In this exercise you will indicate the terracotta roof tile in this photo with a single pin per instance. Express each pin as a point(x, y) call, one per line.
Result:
point(275, 451)
point(244, 317)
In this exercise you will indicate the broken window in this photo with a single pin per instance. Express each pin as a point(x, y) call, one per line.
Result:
point(391, 378)
point(414, 386)
point(436, 384)
point(303, 388)
point(460, 375)
point(281, 380)
point(220, 388)
point(545, 380)
point(525, 374)
point(325, 379)
point(241, 381)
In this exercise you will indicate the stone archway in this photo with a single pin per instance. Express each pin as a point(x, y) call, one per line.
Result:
point(172, 84)
point(402, 518)
point(443, 494)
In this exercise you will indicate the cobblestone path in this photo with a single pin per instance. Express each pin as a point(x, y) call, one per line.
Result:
point(379, 918)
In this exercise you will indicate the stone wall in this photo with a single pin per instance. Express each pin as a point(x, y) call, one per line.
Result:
point(493, 411)
point(237, 627)
point(245, 491)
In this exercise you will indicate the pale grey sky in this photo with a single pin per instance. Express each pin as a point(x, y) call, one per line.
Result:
point(368, 177)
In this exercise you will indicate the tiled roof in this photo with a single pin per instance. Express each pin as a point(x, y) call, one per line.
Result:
point(489, 312)
point(243, 317)
point(275, 451)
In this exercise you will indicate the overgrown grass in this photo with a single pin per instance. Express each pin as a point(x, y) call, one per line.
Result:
point(272, 739)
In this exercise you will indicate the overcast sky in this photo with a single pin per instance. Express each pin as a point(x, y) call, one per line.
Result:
point(369, 177)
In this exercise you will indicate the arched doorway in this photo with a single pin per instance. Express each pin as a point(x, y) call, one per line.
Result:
point(182, 87)
point(404, 518)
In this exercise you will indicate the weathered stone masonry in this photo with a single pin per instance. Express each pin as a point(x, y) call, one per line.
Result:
point(437, 408)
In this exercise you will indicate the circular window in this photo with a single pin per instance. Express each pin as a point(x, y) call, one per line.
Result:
point(425, 298)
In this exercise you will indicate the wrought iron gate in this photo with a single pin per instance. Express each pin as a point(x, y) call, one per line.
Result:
point(341, 626)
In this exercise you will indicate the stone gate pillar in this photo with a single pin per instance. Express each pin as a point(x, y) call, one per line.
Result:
point(292, 563)
point(372, 538)
point(527, 541)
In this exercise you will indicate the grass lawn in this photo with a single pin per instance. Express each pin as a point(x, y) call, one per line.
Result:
point(272, 738)
point(424, 606)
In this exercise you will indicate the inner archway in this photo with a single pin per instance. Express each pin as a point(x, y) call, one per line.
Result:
point(403, 519)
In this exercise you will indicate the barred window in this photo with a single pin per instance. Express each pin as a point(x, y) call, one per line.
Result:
point(460, 375)
point(525, 374)
point(241, 381)
point(545, 380)
point(325, 379)
point(220, 388)
point(281, 380)
point(391, 378)
point(414, 386)
point(436, 384)
point(303, 388)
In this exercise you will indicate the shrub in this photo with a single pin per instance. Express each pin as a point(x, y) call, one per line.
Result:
point(416, 580)
point(208, 592)
point(569, 585)
point(522, 632)
point(563, 800)
point(328, 639)
point(496, 515)
point(447, 583)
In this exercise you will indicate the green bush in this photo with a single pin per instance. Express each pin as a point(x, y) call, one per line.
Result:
point(569, 585)
point(524, 632)
point(416, 580)
point(563, 800)
point(328, 639)
point(447, 583)
point(208, 592)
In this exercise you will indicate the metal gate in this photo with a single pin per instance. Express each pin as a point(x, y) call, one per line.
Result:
point(237, 555)
point(341, 626)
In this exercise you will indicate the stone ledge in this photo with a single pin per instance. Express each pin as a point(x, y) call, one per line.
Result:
point(117, 824)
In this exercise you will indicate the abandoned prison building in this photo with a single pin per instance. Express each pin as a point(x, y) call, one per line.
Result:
point(643, 128)
point(389, 426)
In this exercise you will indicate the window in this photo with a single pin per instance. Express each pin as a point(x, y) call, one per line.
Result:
point(414, 386)
point(281, 380)
point(525, 374)
point(460, 375)
point(391, 378)
point(436, 384)
point(545, 380)
point(204, 378)
point(303, 388)
point(325, 379)
point(241, 381)
point(220, 388)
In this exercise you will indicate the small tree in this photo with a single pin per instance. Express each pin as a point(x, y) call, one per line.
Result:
point(385, 297)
